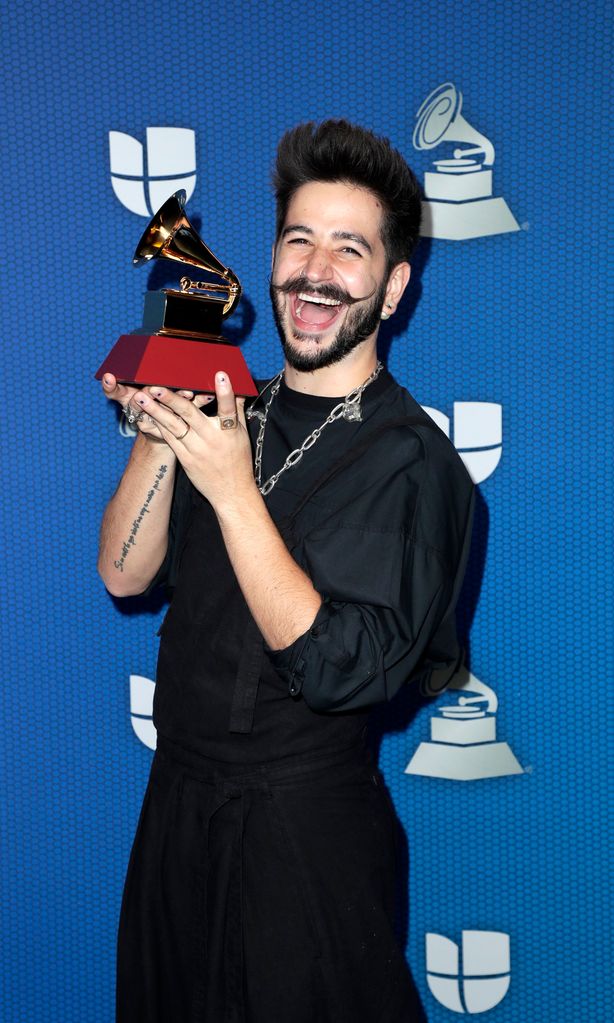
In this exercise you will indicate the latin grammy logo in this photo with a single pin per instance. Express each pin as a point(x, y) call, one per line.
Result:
point(459, 200)
point(463, 743)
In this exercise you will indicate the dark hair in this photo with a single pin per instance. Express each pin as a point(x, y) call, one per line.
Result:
point(336, 150)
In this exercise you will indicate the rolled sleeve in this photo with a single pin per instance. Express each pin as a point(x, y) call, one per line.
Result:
point(338, 656)
point(389, 596)
point(357, 655)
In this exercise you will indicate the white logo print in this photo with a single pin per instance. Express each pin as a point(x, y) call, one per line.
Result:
point(143, 177)
point(125, 429)
point(463, 742)
point(460, 203)
point(141, 709)
point(478, 433)
point(475, 981)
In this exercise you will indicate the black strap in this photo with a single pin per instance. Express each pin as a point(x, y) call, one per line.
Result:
point(247, 681)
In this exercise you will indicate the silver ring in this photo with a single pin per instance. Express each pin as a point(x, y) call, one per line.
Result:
point(131, 415)
point(228, 422)
point(185, 432)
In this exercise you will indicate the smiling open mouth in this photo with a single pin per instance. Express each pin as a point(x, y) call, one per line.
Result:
point(313, 312)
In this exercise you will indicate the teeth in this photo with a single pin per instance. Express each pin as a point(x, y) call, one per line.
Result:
point(316, 299)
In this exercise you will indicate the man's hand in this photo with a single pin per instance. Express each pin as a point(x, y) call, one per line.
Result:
point(134, 534)
point(124, 395)
point(217, 457)
point(214, 451)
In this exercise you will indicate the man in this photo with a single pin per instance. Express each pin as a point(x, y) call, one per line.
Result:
point(316, 551)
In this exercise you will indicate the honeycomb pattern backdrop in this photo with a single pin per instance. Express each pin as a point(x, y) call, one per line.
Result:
point(517, 319)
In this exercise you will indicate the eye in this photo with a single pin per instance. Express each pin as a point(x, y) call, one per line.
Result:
point(348, 250)
point(297, 241)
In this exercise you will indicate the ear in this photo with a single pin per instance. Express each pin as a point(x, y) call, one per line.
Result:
point(397, 282)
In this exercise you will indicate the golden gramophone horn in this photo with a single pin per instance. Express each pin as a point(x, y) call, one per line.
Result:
point(170, 235)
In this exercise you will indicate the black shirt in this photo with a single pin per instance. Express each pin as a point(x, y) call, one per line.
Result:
point(378, 514)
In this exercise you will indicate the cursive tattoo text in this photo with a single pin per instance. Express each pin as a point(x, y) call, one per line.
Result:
point(130, 542)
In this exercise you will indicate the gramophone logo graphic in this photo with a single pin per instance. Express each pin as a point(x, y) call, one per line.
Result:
point(459, 200)
point(463, 744)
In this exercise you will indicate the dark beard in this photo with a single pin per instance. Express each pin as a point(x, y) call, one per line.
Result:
point(358, 326)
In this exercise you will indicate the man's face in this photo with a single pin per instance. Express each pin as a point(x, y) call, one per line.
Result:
point(329, 281)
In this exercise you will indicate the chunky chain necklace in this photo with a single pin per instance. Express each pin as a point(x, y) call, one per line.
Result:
point(348, 409)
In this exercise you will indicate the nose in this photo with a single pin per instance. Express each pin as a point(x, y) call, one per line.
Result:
point(318, 267)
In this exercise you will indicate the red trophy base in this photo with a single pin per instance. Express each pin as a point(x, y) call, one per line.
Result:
point(148, 359)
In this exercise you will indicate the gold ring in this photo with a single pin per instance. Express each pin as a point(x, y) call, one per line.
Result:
point(185, 432)
point(228, 422)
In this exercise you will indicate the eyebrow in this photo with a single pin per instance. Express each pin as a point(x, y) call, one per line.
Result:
point(349, 236)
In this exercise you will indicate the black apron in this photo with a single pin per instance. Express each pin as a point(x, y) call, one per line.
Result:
point(263, 894)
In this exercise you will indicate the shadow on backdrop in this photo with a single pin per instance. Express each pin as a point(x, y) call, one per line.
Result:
point(396, 717)
point(398, 325)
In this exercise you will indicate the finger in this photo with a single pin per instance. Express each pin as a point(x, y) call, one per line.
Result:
point(170, 424)
point(203, 399)
point(241, 411)
point(171, 400)
point(115, 391)
point(226, 401)
point(184, 394)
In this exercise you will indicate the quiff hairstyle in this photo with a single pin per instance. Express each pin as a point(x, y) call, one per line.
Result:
point(336, 150)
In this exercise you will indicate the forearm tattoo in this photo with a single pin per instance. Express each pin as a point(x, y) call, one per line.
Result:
point(130, 542)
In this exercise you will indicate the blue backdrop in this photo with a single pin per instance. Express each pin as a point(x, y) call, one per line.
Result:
point(503, 335)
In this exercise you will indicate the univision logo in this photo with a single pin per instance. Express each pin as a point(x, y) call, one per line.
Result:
point(477, 434)
point(142, 691)
point(143, 177)
point(471, 979)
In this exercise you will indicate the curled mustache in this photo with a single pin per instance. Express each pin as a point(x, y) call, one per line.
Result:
point(332, 291)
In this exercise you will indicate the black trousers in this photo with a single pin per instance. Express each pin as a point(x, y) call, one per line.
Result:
point(262, 895)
